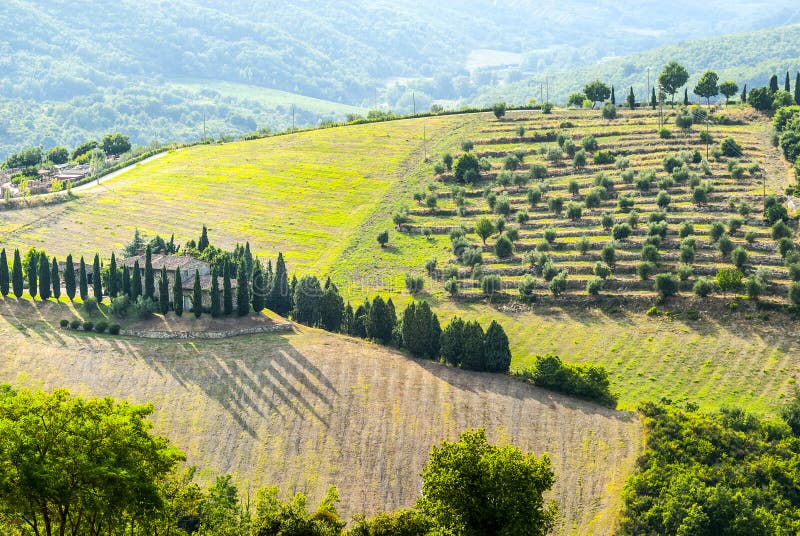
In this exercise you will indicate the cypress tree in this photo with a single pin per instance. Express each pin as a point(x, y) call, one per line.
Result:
point(97, 282)
point(797, 89)
point(348, 320)
point(259, 290)
point(83, 282)
point(786, 84)
point(216, 309)
point(3, 273)
point(379, 326)
point(498, 355)
point(45, 290)
point(55, 279)
point(631, 99)
point(744, 94)
point(613, 96)
point(408, 328)
point(279, 299)
point(69, 277)
point(33, 273)
point(434, 337)
point(242, 291)
point(452, 341)
point(773, 83)
point(163, 291)
point(308, 300)
point(136, 281)
point(421, 330)
point(197, 295)
point(227, 292)
point(16, 275)
point(653, 100)
point(392, 313)
point(149, 276)
point(331, 315)
point(248, 260)
point(177, 293)
point(359, 326)
point(686, 96)
point(113, 289)
point(126, 281)
point(203, 243)
point(473, 356)
point(292, 288)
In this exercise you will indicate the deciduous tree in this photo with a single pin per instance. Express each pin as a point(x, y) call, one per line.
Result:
point(672, 78)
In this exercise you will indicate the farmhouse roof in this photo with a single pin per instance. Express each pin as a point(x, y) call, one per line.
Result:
point(172, 262)
point(205, 282)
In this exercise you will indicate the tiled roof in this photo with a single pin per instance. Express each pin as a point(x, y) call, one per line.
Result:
point(172, 262)
point(205, 283)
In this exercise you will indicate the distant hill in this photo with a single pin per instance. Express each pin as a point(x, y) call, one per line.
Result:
point(748, 57)
point(71, 71)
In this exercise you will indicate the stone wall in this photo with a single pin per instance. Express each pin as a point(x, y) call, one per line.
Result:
point(148, 334)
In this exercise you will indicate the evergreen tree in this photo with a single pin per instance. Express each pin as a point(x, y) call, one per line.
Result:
point(126, 281)
point(163, 292)
point(279, 299)
point(497, 352)
point(421, 330)
point(613, 96)
point(242, 291)
point(653, 100)
point(744, 94)
point(434, 337)
point(3, 273)
point(308, 301)
point(292, 287)
point(473, 357)
point(197, 294)
point(33, 276)
point(216, 308)
point(55, 279)
point(16, 275)
point(45, 290)
point(348, 320)
point(83, 282)
point(113, 280)
point(149, 276)
point(797, 89)
point(331, 315)
point(452, 341)
point(408, 328)
point(97, 283)
point(177, 293)
point(202, 244)
point(136, 281)
point(686, 96)
point(786, 85)
point(69, 277)
point(248, 261)
point(259, 289)
point(379, 326)
point(773, 83)
point(359, 328)
point(631, 99)
point(227, 292)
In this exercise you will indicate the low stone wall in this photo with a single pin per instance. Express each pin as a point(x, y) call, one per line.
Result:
point(147, 334)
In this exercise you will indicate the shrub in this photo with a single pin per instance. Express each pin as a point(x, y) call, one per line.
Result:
point(672, 162)
point(556, 205)
point(730, 148)
point(467, 146)
point(144, 307)
point(594, 285)
point(503, 247)
point(491, 284)
point(607, 220)
point(687, 254)
point(725, 245)
point(534, 195)
point(608, 254)
point(585, 381)
point(511, 162)
point(414, 284)
point(633, 219)
point(649, 253)
point(664, 133)
point(101, 326)
point(88, 326)
point(583, 244)
point(781, 230)
point(569, 147)
point(645, 270)
point(538, 171)
point(734, 224)
point(520, 179)
point(716, 231)
point(663, 199)
point(554, 154)
point(625, 203)
point(526, 286)
point(667, 182)
point(653, 311)
point(558, 285)
point(574, 211)
point(739, 257)
point(704, 286)
point(550, 235)
point(627, 175)
point(547, 108)
point(604, 157)
point(90, 304)
point(666, 285)
point(609, 111)
point(579, 160)
point(700, 195)
point(64, 323)
point(623, 162)
point(621, 231)
point(522, 216)
point(686, 229)
point(643, 182)
point(502, 206)
point(383, 238)
point(681, 174)
point(684, 272)
point(592, 199)
point(729, 279)
point(602, 270)
point(794, 271)
point(75, 324)
point(549, 270)
point(658, 229)
point(589, 143)
point(750, 236)
point(113, 329)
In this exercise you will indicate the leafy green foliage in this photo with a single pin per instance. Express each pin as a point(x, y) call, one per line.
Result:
point(585, 381)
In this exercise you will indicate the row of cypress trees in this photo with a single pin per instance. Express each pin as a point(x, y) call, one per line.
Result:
point(44, 277)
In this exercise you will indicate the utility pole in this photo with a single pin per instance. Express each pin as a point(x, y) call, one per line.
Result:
point(414, 101)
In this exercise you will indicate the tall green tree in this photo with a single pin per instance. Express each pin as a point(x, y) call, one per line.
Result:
point(16, 275)
point(69, 277)
point(242, 291)
point(55, 279)
point(473, 488)
point(136, 281)
point(653, 100)
point(197, 295)
point(773, 83)
point(332, 311)
point(379, 324)
point(786, 85)
point(498, 354)
point(596, 91)
point(126, 281)
point(473, 357)
point(686, 96)
point(163, 292)
point(452, 341)
point(707, 86)
point(307, 301)
point(33, 275)
point(113, 280)
point(97, 281)
point(729, 89)
point(177, 293)
point(216, 306)
point(631, 100)
point(227, 289)
point(259, 289)
point(421, 330)
point(203, 243)
point(797, 89)
point(279, 299)
point(3, 273)
point(149, 276)
point(45, 290)
point(672, 78)
point(613, 97)
point(744, 94)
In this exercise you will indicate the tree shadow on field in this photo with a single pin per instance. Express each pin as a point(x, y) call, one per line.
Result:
point(250, 384)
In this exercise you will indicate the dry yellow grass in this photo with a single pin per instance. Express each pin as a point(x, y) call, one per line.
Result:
point(311, 409)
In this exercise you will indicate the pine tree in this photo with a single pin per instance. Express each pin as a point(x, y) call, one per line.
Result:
point(308, 299)
point(203, 243)
point(797, 89)
point(69, 277)
point(786, 85)
point(126, 281)
point(332, 314)
point(279, 299)
point(197, 295)
point(216, 309)
point(613, 96)
point(16, 275)
point(379, 326)
point(33, 275)
point(773, 83)
point(113, 289)
point(97, 282)
point(136, 281)
point(45, 289)
point(55, 279)
point(149, 276)
point(631, 99)
point(473, 357)
point(686, 96)
point(452, 341)
point(227, 292)
point(163, 291)
point(242, 291)
point(653, 100)
point(744, 94)
point(259, 290)
point(392, 316)
point(498, 354)
point(3, 273)
point(177, 293)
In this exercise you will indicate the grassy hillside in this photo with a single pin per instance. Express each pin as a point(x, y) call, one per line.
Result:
point(311, 409)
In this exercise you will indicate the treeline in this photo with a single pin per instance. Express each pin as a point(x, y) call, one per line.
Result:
point(124, 481)
point(724, 473)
